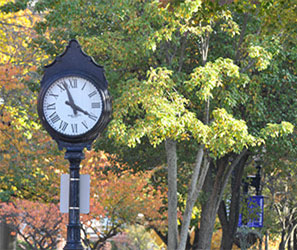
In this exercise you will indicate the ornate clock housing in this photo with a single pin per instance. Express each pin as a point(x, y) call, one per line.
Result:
point(74, 105)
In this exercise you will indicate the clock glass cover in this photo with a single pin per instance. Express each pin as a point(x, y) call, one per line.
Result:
point(72, 105)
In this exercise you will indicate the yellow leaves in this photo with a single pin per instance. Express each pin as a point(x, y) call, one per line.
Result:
point(6, 157)
point(229, 26)
point(261, 56)
point(213, 75)
point(2, 2)
point(26, 150)
point(227, 134)
point(160, 110)
point(276, 130)
point(15, 29)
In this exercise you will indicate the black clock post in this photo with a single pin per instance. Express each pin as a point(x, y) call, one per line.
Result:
point(74, 156)
point(74, 107)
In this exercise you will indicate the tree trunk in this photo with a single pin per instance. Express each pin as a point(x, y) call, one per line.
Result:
point(227, 236)
point(7, 241)
point(208, 213)
point(196, 239)
point(207, 222)
point(282, 243)
point(295, 239)
point(266, 240)
point(170, 147)
point(214, 189)
point(230, 222)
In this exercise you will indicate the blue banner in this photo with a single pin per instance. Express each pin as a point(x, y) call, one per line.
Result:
point(255, 212)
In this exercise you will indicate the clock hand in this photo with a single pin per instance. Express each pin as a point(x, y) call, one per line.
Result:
point(77, 108)
point(72, 106)
point(81, 110)
point(71, 101)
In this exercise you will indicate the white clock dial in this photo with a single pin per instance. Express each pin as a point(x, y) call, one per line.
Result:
point(72, 105)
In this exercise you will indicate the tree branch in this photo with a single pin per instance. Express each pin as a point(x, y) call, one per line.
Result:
point(182, 51)
point(222, 213)
point(191, 199)
point(229, 171)
point(242, 33)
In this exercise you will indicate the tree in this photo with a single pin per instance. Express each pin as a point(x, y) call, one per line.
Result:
point(28, 155)
point(280, 188)
point(24, 162)
point(164, 116)
point(22, 165)
point(178, 81)
point(38, 224)
point(118, 200)
point(276, 102)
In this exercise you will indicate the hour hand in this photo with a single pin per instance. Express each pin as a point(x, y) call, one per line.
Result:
point(73, 106)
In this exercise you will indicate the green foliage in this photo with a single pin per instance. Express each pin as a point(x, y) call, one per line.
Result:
point(261, 56)
point(274, 130)
point(228, 134)
point(220, 80)
point(198, 72)
point(160, 110)
point(14, 6)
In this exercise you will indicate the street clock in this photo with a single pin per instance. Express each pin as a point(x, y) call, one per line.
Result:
point(73, 104)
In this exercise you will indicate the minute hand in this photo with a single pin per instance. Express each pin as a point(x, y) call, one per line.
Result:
point(71, 101)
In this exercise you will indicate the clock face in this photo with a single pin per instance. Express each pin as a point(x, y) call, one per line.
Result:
point(72, 105)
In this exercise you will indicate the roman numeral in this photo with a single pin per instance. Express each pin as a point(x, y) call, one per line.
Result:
point(84, 86)
point(73, 83)
point(92, 93)
point(96, 105)
point(74, 128)
point(93, 117)
point(54, 117)
point(54, 95)
point(61, 86)
point(63, 125)
point(51, 106)
point(85, 124)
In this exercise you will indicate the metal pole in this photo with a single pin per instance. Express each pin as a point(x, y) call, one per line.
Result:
point(74, 156)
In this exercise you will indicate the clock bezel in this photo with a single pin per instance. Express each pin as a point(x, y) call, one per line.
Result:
point(81, 138)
